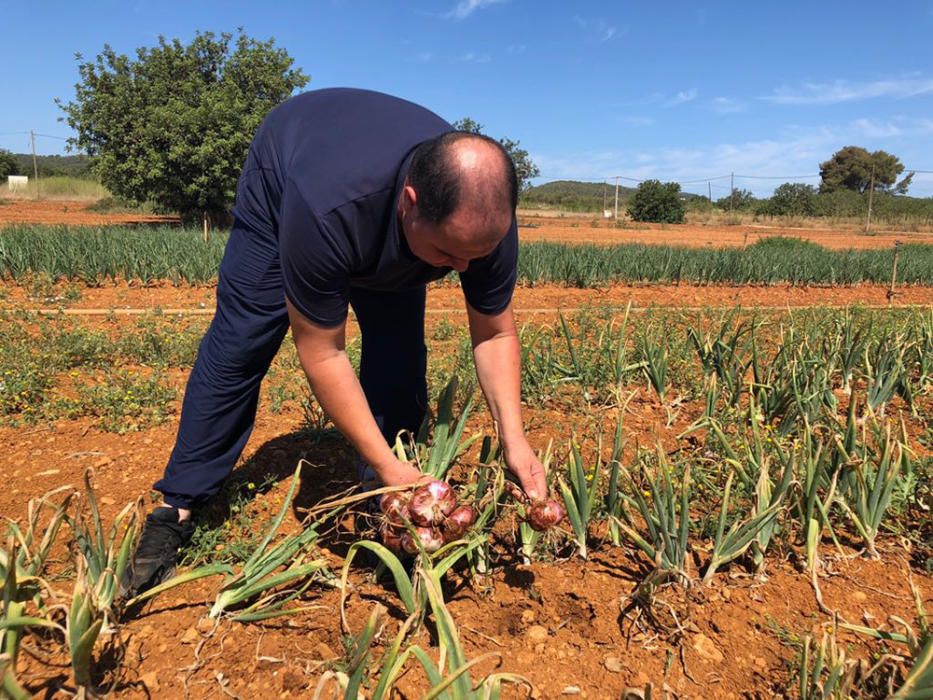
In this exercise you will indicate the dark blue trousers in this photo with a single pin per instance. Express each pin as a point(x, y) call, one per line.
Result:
point(219, 408)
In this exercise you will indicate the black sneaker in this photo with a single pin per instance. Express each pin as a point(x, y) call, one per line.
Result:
point(156, 552)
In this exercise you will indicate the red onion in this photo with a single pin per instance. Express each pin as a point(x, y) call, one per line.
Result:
point(391, 537)
point(430, 503)
point(545, 514)
point(430, 538)
point(395, 507)
point(408, 543)
point(458, 522)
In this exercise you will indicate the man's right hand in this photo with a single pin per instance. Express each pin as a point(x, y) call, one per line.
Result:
point(399, 473)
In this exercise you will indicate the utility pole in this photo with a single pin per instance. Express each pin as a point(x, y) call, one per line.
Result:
point(617, 199)
point(871, 193)
point(731, 192)
point(709, 191)
point(35, 165)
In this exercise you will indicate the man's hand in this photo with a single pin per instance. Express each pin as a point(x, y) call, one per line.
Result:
point(523, 463)
point(399, 473)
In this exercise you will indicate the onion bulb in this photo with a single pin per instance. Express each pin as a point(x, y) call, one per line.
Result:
point(544, 515)
point(429, 537)
point(431, 503)
point(458, 522)
point(394, 507)
point(390, 537)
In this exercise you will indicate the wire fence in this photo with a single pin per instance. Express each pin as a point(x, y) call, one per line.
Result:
point(715, 187)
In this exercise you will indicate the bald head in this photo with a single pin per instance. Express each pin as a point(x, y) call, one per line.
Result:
point(466, 174)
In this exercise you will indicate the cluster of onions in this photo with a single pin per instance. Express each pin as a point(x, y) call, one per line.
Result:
point(432, 511)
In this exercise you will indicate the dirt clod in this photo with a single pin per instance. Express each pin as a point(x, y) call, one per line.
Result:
point(613, 664)
point(707, 649)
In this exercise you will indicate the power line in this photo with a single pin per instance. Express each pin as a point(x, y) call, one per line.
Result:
point(776, 177)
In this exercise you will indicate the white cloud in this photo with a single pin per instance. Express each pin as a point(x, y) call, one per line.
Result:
point(795, 152)
point(728, 105)
point(682, 97)
point(424, 57)
point(465, 8)
point(598, 29)
point(473, 57)
point(845, 91)
point(874, 129)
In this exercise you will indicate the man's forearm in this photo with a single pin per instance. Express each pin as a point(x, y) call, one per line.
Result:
point(338, 390)
point(498, 367)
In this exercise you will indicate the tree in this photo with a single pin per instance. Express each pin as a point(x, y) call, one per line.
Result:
point(525, 168)
point(657, 201)
point(739, 200)
point(8, 164)
point(173, 124)
point(853, 168)
point(791, 199)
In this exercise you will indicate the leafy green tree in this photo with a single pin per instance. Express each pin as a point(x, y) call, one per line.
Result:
point(852, 168)
point(173, 124)
point(791, 199)
point(525, 168)
point(657, 201)
point(739, 200)
point(8, 164)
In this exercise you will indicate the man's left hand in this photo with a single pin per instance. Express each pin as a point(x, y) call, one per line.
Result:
point(523, 463)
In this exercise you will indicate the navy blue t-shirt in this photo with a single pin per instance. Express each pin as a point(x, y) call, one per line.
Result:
point(325, 171)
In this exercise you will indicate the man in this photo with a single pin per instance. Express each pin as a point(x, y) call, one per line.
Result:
point(348, 198)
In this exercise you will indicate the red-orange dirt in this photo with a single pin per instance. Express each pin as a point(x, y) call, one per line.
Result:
point(75, 213)
point(570, 229)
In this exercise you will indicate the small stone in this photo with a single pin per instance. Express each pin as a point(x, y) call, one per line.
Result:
point(205, 625)
point(150, 681)
point(324, 652)
point(145, 631)
point(102, 462)
point(190, 636)
point(537, 633)
point(525, 658)
point(528, 616)
point(641, 679)
point(613, 664)
point(760, 663)
point(571, 690)
point(859, 596)
point(707, 649)
point(107, 501)
point(539, 648)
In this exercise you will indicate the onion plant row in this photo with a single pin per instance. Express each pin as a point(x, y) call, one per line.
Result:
point(98, 254)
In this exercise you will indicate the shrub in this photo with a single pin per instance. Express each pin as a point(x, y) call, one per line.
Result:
point(658, 202)
point(790, 199)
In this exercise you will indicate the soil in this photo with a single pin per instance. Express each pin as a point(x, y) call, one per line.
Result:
point(562, 624)
point(443, 299)
point(593, 230)
point(533, 227)
point(75, 213)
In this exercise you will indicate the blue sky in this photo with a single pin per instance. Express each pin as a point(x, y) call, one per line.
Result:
point(678, 90)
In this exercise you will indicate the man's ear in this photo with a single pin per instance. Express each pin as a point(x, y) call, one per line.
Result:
point(411, 197)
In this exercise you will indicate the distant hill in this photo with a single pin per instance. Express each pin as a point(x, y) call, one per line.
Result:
point(571, 195)
point(72, 166)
